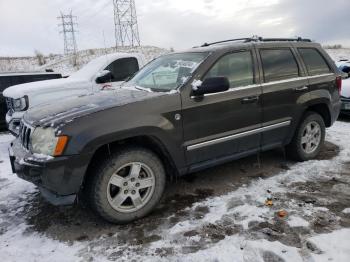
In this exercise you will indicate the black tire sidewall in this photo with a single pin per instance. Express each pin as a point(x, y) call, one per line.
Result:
point(100, 184)
point(309, 117)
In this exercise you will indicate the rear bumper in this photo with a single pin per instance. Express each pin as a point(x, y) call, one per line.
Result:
point(345, 106)
point(59, 179)
point(335, 111)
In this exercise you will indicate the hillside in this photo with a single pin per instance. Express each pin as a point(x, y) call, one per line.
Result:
point(63, 64)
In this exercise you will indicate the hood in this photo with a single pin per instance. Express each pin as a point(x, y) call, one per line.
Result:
point(18, 91)
point(345, 90)
point(72, 108)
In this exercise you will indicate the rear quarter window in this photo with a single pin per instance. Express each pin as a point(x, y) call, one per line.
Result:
point(314, 61)
point(278, 64)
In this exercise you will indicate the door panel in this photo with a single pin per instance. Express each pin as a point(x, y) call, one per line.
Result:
point(282, 102)
point(218, 118)
point(284, 91)
point(220, 125)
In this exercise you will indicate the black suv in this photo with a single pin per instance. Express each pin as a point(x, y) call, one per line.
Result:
point(181, 113)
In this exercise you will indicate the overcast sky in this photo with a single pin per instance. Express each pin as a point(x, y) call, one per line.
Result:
point(26, 25)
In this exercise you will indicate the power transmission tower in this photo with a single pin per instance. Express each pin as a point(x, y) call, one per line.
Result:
point(68, 24)
point(125, 21)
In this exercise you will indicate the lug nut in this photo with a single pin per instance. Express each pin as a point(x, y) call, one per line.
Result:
point(133, 192)
point(125, 183)
point(132, 179)
point(125, 192)
point(137, 184)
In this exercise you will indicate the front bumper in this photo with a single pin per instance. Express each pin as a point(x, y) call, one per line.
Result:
point(59, 179)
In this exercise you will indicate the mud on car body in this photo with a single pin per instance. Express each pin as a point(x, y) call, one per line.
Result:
point(181, 113)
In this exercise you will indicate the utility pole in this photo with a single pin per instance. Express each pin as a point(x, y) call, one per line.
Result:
point(125, 21)
point(68, 25)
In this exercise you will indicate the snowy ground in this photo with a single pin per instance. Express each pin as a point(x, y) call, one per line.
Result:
point(215, 215)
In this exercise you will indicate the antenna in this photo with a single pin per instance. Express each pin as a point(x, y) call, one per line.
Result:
point(68, 24)
point(125, 21)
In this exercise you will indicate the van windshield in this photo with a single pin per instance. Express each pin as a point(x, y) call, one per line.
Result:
point(168, 72)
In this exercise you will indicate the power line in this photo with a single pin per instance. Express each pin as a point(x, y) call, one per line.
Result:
point(125, 21)
point(68, 25)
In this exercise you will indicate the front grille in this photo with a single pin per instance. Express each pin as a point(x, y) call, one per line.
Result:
point(24, 135)
point(9, 104)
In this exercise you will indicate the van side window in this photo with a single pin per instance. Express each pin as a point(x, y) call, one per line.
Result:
point(278, 64)
point(314, 61)
point(123, 68)
point(237, 67)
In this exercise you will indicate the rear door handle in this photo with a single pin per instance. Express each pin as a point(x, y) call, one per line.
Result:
point(250, 99)
point(301, 88)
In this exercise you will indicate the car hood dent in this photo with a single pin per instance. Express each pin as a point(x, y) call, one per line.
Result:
point(55, 114)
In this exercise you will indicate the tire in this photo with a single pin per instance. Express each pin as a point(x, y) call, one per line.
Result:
point(301, 148)
point(117, 189)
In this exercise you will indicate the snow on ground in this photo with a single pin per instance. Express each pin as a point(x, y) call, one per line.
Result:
point(335, 246)
point(236, 226)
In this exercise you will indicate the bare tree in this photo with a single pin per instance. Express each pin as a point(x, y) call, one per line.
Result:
point(40, 57)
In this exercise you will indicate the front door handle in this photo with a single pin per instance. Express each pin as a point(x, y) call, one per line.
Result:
point(301, 88)
point(250, 99)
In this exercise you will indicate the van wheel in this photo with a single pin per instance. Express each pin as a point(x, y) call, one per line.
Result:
point(309, 138)
point(127, 186)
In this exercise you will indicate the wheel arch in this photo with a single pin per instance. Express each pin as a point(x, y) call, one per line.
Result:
point(150, 142)
point(323, 110)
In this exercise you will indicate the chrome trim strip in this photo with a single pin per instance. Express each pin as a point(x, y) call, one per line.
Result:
point(269, 83)
point(239, 135)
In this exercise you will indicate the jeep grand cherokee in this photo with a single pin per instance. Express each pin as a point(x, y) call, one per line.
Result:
point(181, 113)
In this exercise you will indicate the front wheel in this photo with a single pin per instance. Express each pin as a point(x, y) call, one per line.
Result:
point(309, 138)
point(128, 185)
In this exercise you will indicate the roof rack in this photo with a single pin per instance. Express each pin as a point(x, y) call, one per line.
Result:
point(298, 39)
point(258, 39)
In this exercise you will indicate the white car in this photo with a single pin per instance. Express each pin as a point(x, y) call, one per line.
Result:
point(101, 73)
point(344, 66)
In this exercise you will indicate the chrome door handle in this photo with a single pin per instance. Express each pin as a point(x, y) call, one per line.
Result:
point(302, 88)
point(250, 99)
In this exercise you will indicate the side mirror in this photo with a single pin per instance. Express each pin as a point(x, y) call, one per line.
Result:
point(104, 76)
point(211, 85)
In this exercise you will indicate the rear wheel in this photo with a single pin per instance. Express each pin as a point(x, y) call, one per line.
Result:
point(309, 138)
point(127, 186)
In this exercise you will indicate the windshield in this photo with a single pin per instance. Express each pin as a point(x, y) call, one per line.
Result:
point(168, 72)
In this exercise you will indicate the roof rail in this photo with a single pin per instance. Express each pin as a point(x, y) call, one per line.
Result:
point(258, 39)
point(246, 39)
point(298, 39)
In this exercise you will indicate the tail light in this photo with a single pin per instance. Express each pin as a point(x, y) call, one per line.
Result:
point(338, 82)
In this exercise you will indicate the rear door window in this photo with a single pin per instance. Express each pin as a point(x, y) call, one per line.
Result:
point(278, 64)
point(237, 67)
point(123, 68)
point(314, 61)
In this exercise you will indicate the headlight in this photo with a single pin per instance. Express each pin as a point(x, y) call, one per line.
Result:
point(45, 142)
point(20, 104)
